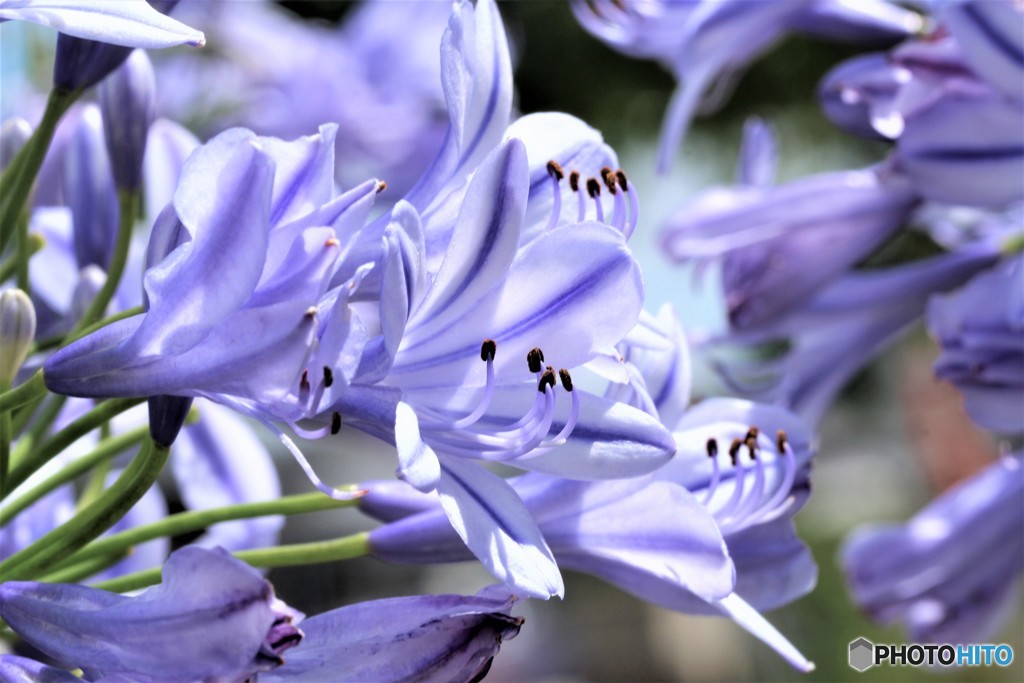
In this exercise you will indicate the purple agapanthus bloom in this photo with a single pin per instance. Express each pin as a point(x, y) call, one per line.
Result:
point(707, 44)
point(980, 331)
point(778, 245)
point(383, 88)
point(952, 103)
point(705, 535)
point(224, 615)
point(841, 328)
point(949, 574)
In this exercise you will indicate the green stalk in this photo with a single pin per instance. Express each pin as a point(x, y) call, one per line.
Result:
point(42, 421)
point(6, 434)
point(79, 571)
point(91, 521)
point(39, 456)
point(194, 520)
point(345, 548)
point(17, 180)
point(30, 389)
point(103, 453)
point(128, 201)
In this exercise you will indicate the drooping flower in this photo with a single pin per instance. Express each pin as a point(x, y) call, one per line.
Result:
point(980, 331)
point(949, 574)
point(778, 245)
point(707, 45)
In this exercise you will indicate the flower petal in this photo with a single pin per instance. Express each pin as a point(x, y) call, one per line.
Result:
point(747, 617)
point(132, 23)
point(418, 464)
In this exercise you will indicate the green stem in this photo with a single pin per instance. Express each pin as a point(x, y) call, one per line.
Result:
point(113, 318)
point(17, 180)
point(10, 267)
point(103, 453)
point(91, 521)
point(83, 570)
point(1013, 244)
point(42, 422)
point(6, 434)
point(345, 548)
point(185, 522)
point(128, 202)
point(47, 450)
point(30, 389)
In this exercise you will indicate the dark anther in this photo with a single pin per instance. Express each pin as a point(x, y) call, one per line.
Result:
point(593, 188)
point(622, 180)
point(488, 348)
point(734, 450)
point(335, 422)
point(712, 448)
point(547, 379)
point(328, 377)
point(780, 440)
point(304, 382)
point(555, 170)
point(752, 433)
point(574, 181)
point(609, 180)
point(751, 444)
point(566, 378)
point(290, 638)
point(381, 186)
point(534, 359)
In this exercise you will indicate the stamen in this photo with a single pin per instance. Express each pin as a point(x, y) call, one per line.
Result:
point(556, 173)
point(574, 181)
point(534, 360)
point(788, 477)
point(608, 176)
point(487, 349)
point(737, 492)
point(634, 203)
point(581, 203)
point(574, 411)
point(381, 186)
point(335, 422)
point(547, 379)
point(328, 377)
point(712, 447)
point(751, 501)
point(304, 382)
point(594, 190)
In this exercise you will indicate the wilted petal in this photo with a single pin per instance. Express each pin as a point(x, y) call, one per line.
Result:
point(210, 605)
point(435, 637)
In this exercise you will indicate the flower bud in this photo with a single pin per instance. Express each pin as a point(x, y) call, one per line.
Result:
point(127, 101)
point(17, 330)
point(89, 191)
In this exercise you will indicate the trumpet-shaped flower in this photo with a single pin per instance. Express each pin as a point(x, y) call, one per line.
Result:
point(948, 575)
point(706, 535)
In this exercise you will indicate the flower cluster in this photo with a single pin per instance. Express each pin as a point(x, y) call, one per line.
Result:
point(394, 250)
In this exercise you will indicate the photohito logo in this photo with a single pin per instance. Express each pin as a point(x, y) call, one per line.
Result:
point(864, 654)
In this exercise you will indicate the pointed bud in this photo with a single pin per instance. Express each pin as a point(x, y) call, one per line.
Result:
point(17, 330)
point(89, 192)
point(127, 99)
point(166, 417)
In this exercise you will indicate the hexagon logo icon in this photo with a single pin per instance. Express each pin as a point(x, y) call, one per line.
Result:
point(862, 654)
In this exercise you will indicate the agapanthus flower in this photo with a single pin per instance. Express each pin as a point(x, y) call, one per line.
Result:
point(383, 88)
point(225, 616)
point(980, 332)
point(835, 333)
point(951, 102)
point(948, 575)
point(707, 44)
point(778, 245)
point(708, 533)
